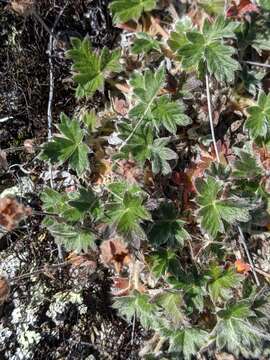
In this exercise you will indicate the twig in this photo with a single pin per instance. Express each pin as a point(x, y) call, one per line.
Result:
point(243, 243)
point(242, 238)
point(257, 64)
point(39, 271)
point(210, 117)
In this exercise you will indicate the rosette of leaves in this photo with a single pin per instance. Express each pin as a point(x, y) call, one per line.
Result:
point(124, 10)
point(91, 68)
point(207, 50)
point(67, 146)
point(216, 211)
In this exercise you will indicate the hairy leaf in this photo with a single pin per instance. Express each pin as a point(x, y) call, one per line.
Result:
point(68, 146)
point(222, 281)
point(258, 121)
point(144, 43)
point(214, 210)
point(91, 69)
point(168, 228)
point(236, 332)
point(188, 341)
point(207, 50)
point(136, 305)
point(124, 10)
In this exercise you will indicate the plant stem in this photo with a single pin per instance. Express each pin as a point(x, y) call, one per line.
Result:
point(210, 117)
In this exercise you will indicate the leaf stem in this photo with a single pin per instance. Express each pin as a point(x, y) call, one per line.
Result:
point(210, 116)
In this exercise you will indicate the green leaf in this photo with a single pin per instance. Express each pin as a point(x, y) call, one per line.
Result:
point(246, 167)
point(138, 305)
point(213, 7)
point(68, 146)
point(188, 341)
point(221, 282)
point(178, 36)
point(86, 201)
point(163, 262)
point(169, 114)
point(265, 4)
point(258, 121)
point(89, 120)
point(127, 213)
point(91, 69)
point(124, 10)
point(207, 50)
point(171, 301)
point(160, 155)
point(167, 228)
point(236, 332)
point(72, 238)
point(144, 43)
point(214, 211)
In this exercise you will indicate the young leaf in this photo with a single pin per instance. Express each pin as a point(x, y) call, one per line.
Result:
point(222, 281)
point(136, 305)
point(90, 68)
point(144, 43)
point(160, 156)
point(178, 36)
point(168, 228)
point(188, 341)
point(258, 121)
point(207, 50)
point(68, 146)
point(214, 211)
point(124, 10)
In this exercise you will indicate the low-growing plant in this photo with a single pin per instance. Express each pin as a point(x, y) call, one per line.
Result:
point(181, 213)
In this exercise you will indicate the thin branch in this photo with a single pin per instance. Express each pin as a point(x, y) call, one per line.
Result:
point(257, 64)
point(39, 271)
point(210, 117)
point(243, 243)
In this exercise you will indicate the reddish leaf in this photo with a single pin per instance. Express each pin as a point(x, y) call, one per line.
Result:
point(241, 8)
point(242, 267)
point(12, 212)
point(115, 253)
point(121, 286)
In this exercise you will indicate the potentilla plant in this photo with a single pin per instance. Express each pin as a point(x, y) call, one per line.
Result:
point(183, 203)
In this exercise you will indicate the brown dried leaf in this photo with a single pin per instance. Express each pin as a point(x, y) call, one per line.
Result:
point(84, 260)
point(4, 289)
point(115, 253)
point(22, 7)
point(121, 286)
point(12, 212)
